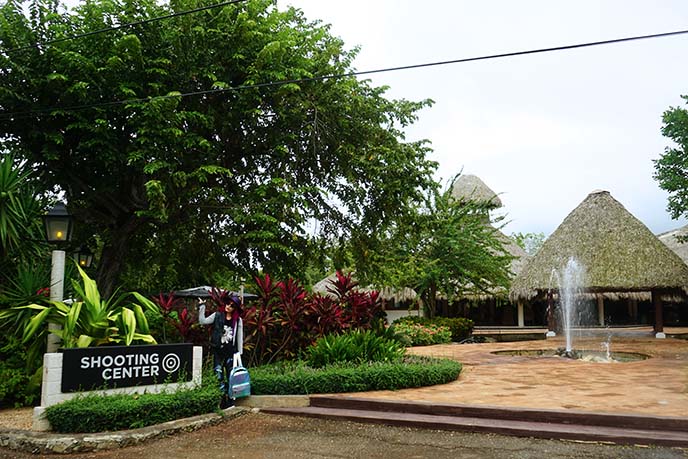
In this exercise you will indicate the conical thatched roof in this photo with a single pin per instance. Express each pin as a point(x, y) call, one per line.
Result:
point(670, 239)
point(385, 293)
point(514, 250)
point(470, 188)
point(619, 253)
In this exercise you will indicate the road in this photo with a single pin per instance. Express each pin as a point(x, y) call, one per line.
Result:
point(259, 435)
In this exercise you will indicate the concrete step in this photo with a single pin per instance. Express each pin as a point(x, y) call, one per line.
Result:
point(496, 420)
point(631, 421)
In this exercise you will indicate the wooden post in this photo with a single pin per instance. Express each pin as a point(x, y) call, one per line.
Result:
point(521, 319)
point(659, 314)
point(600, 310)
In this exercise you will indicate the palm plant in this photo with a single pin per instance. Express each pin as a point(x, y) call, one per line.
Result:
point(19, 212)
point(90, 321)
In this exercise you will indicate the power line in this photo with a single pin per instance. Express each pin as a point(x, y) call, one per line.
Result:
point(122, 26)
point(350, 74)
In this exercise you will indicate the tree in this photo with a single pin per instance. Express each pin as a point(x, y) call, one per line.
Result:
point(671, 169)
point(187, 186)
point(446, 248)
point(530, 242)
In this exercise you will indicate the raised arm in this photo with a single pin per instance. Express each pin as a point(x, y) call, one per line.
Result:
point(202, 319)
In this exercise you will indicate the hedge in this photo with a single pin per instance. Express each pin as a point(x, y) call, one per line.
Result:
point(293, 378)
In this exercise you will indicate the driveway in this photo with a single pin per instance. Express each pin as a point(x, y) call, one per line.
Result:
point(259, 435)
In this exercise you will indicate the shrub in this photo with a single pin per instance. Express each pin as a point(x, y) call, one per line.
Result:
point(285, 320)
point(290, 378)
point(425, 335)
point(460, 327)
point(20, 383)
point(99, 413)
point(356, 346)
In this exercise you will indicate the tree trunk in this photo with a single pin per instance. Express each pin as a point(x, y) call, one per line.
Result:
point(113, 256)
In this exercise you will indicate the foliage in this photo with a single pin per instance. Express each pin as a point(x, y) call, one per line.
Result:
point(460, 327)
point(356, 346)
point(285, 320)
point(425, 335)
point(20, 383)
point(530, 242)
point(447, 248)
point(237, 171)
point(101, 413)
point(20, 225)
point(179, 319)
point(90, 321)
point(297, 377)
point(671, 169)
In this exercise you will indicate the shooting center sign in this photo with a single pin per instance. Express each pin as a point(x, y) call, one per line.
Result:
point(109, 367)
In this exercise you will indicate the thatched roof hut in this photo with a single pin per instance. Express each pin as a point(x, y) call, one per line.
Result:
point(470, 188)
point(671, 240)
point(386, 293)
point(620, 254)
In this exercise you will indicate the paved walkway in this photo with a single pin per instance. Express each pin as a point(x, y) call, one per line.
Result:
point(658, 385)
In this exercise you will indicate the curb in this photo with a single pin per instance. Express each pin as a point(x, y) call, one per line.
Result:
point(58, 443)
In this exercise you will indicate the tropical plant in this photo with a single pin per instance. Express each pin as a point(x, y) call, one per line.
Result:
point(91, 320)
point(357, 346)
point(284, 320)
point(20, 227)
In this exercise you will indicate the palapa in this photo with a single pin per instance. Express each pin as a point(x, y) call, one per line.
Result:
point(387, 293)
point(620, 254)
point(672, 239)
point(470, 188)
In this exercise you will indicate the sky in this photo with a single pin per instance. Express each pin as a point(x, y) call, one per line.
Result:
point(542, 131)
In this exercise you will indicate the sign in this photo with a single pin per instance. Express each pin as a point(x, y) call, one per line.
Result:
point(107, 367)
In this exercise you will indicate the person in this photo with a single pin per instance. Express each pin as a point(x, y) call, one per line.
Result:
point(226, 339)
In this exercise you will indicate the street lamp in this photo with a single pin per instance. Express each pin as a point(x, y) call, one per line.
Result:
point(58, 224)
point(58, 230)
point(84, 257)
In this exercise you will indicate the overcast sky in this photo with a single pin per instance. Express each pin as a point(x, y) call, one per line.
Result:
point(542, 130)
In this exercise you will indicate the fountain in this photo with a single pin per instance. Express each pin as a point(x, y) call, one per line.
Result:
point(572, 308)
point(574, 311)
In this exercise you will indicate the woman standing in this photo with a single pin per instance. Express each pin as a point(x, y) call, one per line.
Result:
point(227, 339)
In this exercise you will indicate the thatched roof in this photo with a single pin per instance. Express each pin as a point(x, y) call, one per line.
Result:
point(670, 239)
point(619, 253)
point(514, 250)
point(385, 293)
point(470, 188)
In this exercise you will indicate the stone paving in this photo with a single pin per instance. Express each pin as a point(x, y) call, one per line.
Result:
point(657, 386)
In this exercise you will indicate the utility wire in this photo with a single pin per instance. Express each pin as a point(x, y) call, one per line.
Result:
point(122, 26)
point(350, 74)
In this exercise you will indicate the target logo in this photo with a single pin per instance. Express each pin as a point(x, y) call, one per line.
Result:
point(171, 363)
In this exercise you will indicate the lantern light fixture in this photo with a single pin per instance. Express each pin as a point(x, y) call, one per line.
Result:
point(58, 224)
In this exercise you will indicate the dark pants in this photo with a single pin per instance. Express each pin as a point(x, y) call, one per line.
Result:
point(223, 361)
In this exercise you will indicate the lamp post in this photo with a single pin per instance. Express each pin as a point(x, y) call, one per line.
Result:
point(84, 257)
point(58, 230)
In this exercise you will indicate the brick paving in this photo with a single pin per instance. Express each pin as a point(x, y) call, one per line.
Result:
point(656, 386)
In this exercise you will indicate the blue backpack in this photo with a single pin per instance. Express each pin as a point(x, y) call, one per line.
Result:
point(239, 380)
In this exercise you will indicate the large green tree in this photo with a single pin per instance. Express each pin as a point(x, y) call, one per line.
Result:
point(671, 169)
point(241, 174)
point(448, 248)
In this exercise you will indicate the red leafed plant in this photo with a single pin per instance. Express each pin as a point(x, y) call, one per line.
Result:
point(167, 302)
point(284, 319)
point(184, 325)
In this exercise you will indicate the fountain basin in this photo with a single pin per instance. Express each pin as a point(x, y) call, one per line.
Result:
point(582, 354)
